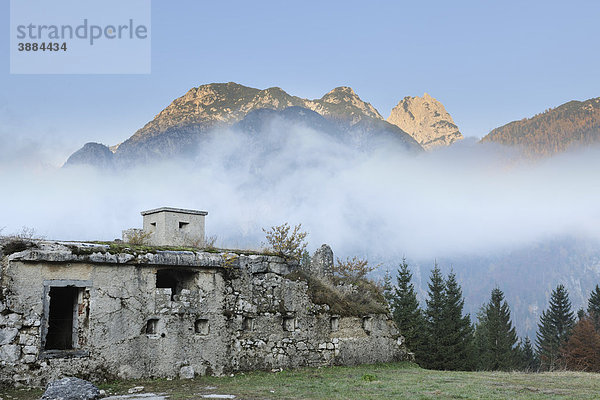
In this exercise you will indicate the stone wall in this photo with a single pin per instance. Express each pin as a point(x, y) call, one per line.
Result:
point(169, 314)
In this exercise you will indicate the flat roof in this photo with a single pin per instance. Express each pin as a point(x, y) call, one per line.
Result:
point(173, 210)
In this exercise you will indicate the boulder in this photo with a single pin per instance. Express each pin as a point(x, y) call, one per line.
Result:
point(71, 389)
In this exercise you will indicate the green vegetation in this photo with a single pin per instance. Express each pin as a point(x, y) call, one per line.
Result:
point(555, 328)
point(405, 309)
point(352, 269)
point(25, 239)
point(594, 307)
point(384, 381)
point(496, 337)
point(285, 241)
point(447, 335)
point(364, 297)
point(128, 248)
point(15, 245)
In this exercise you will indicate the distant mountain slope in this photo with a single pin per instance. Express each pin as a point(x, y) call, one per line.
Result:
point(181, 126)
point(576, 123)
point(426, 120)
point(94, 154)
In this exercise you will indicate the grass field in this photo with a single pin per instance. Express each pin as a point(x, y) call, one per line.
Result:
point(385, 381)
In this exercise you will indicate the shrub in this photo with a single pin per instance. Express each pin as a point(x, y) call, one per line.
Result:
point(198, 243)
point(286, 243)
point(352, 268)
point(138, 237)
point(23, 240)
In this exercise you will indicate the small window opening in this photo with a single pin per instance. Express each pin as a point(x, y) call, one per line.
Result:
point(248, 323)
point(367, 324)
point(153, 224)
point(335, 323)
point(152, 326)
point(183, 224)
point(175, 280)
point(201, 327)
point(289, 324)
point(62, 312)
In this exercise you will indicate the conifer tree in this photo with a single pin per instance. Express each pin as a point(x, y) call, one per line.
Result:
point(479, 341)
point(554, 328)
point(498, 336)
point(434, 321)
point(406, 311)
point(457, 341)
point(594, 307)
point(529, 360)
point(388, 289)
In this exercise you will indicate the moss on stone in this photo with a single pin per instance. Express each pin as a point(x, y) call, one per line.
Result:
point(14, 245)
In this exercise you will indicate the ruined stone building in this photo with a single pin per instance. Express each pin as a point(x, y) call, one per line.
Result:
point(114, 310)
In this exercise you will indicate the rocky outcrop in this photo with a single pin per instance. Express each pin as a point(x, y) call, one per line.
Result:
point(321, 263)
point(426, 120)
point(343, 104)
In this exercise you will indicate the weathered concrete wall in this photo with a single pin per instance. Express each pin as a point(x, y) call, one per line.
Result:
point(225, 313)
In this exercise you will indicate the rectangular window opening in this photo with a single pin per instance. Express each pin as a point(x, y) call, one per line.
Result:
point(175, 280)
point(248, 323)
point(183, 224)
point(152, 326)
point(335, 323)
point(289, 324)
point(201, 326)
point(61, 318)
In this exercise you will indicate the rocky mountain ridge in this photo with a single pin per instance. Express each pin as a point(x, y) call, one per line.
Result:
point(181, 126)
point(226, 103)
point(426, 120)
point(573, 124)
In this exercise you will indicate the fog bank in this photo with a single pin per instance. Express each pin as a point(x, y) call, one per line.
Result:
point(380, 203)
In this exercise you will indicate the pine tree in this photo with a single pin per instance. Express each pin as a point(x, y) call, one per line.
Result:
point(554, 328)
point(498, 335)
point(456, 343)
point(406, 311)
point(388, 289)
point(529, 360)
point(582, 351)
point(480, 360)
point(434, 321)
point(594, 307)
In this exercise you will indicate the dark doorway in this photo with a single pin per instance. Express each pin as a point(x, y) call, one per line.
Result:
point(63, 301)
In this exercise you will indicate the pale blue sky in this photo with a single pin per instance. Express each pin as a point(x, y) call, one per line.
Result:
point(489, 63)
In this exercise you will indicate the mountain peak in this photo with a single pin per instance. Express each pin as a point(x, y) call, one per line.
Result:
point(343, 103)
point(340, 90)
point(426, 120)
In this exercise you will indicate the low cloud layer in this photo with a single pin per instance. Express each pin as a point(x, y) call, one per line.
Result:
point(381, 203)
